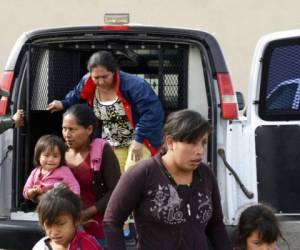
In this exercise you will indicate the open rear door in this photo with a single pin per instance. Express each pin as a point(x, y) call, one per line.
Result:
point(274, 115)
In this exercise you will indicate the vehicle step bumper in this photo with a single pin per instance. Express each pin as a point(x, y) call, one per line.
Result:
point(19, 234)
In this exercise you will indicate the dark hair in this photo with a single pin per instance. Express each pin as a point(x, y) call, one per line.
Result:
point(56, 202)
point(260, 218)
point(84, 115)
point(186, 126)
point(49, 142)
point(104, 59)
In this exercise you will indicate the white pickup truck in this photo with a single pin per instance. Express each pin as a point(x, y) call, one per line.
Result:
point(254, 153)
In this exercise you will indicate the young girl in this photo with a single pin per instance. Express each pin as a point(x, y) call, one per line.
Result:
point(59, 214)
point(258, 229)
point(49, 157)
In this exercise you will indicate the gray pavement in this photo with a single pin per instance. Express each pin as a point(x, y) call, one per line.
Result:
point(291, 232)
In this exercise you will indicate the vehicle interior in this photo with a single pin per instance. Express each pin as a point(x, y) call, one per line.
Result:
point(178, 73)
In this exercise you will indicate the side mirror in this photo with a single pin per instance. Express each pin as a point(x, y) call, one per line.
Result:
point(240, 100)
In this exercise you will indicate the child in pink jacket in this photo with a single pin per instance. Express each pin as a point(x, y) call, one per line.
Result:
point(49, 154)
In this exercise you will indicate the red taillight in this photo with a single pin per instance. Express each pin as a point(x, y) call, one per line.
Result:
point(115, 27)
point(6, 82)
point(228, 99)
point(6, 79)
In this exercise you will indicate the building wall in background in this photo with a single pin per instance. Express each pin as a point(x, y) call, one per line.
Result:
point(236, 24)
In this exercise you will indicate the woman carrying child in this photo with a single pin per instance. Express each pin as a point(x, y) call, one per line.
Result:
point(59, 215)
point(93, 163)
point(49, 155)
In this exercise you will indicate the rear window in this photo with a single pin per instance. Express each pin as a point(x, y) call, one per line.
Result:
point(280, 83)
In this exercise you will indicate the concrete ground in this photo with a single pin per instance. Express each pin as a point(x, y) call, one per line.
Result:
point(291, 232)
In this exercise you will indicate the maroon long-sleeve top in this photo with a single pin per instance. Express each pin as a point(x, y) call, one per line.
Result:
point(167, 216)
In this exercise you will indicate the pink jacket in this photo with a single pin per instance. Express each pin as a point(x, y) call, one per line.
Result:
point(47, 181)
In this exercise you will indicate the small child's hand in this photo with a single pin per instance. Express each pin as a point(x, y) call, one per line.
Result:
point(32, 193)
point(39, 188)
